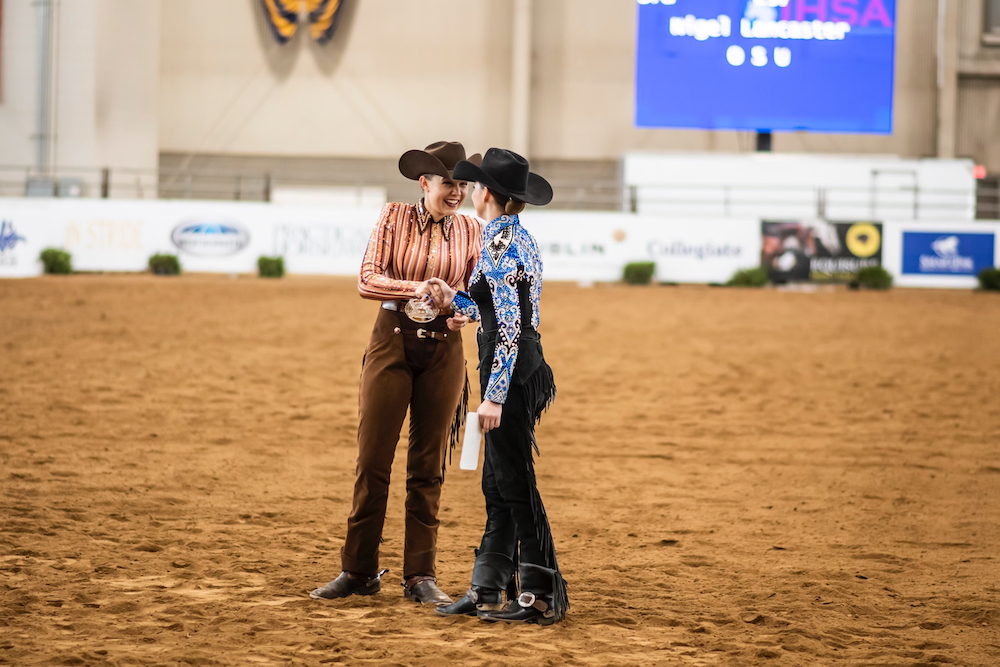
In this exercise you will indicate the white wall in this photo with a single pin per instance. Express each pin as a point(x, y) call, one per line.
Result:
point(104, 83)
point(382, 86)
point(17, 95)
point(397, 74)
point(190, 76)
point(789, 186)
point(127, 66)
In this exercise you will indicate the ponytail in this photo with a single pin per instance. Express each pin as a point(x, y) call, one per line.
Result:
point(513, 206)
point(509, 205)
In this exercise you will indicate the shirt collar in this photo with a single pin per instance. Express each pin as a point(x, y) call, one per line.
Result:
point(499, 223)
point(424, 218)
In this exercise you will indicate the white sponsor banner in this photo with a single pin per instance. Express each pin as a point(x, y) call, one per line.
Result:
point(228, 237)
point(596, 246)
point(583, 246)
point(215, 237)
point(322, 241)
point(701, 250)
point(947, 240)
point(26, 228)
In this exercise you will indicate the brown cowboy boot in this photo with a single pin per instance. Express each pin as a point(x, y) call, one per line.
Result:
point(348, 584)
point(424, 589)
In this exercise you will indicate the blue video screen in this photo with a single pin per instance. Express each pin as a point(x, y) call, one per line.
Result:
point(815, 65)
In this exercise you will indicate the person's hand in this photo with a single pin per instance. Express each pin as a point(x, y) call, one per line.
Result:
point(424, 290)
point(489, 415)
point(441, 292)
point(457, 321)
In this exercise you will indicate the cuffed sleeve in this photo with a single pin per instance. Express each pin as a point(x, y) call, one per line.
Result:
point(464, 304)
point(373, 281)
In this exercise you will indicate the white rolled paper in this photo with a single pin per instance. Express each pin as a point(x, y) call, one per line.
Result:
point(471, 442)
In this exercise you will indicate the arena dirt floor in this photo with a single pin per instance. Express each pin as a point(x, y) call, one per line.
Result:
point(733, 478)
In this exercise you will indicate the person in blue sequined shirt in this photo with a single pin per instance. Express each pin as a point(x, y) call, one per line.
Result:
point(517, 385)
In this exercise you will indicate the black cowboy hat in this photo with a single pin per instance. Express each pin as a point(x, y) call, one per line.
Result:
point(505, 172)
point(439, 158)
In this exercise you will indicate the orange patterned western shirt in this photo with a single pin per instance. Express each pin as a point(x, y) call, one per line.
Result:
point(407, 247)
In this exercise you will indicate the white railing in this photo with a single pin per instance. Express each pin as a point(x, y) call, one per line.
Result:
point(875, 202)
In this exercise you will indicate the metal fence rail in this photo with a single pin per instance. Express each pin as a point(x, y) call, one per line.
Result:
point(883, 202)
point(585, 194)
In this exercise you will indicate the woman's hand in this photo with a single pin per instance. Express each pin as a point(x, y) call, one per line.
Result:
point(489, 415)
point(424, 290)
point(441, 292)
point(457, 321)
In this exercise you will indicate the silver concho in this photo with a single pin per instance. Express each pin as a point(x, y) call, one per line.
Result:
point(420, 311)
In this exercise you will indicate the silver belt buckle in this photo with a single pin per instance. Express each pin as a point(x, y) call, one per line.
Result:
point(421, 333)
point(420, 311)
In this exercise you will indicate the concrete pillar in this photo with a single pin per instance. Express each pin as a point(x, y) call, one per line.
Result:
point(520, 84)
point(43, 109)
point(947, 77)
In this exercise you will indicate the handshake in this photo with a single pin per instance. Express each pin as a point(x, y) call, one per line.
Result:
point(440, 295)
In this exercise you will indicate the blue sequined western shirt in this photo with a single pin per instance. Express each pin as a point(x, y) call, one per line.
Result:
point(510, 271)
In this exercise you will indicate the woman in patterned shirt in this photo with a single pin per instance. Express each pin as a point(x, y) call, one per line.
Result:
point(517, 385)
point(413, 361)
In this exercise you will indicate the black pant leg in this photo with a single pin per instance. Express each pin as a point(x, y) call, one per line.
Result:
point(499, 535)
point(508, 449)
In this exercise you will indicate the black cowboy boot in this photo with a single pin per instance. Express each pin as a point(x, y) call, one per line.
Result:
point(348, 584)
point(537, 602)
point(490, 576)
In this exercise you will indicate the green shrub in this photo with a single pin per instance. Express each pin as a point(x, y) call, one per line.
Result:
point(165, 265)
point(874, 277)
point(639, 273)
point(271, 267)
point(989, 279)
point(756, 277)
point(56, 261)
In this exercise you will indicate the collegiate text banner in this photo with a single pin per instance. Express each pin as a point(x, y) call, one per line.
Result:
point(228, 237)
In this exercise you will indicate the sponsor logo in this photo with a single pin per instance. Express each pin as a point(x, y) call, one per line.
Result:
point(946, 257)
point(947, 254)
point(326, 241)
point(701, 251)
point(581, 249)
point(104, 235)
point(9, 238)
point(210, 239)
point(863, 240)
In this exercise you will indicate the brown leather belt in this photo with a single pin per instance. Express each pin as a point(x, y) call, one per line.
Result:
point(423, 333)
point(408, 326)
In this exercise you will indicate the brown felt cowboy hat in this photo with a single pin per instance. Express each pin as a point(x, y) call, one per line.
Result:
point(506, 173)
point(439, 158)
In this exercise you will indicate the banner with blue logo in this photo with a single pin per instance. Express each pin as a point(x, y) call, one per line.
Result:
point(946, 253)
